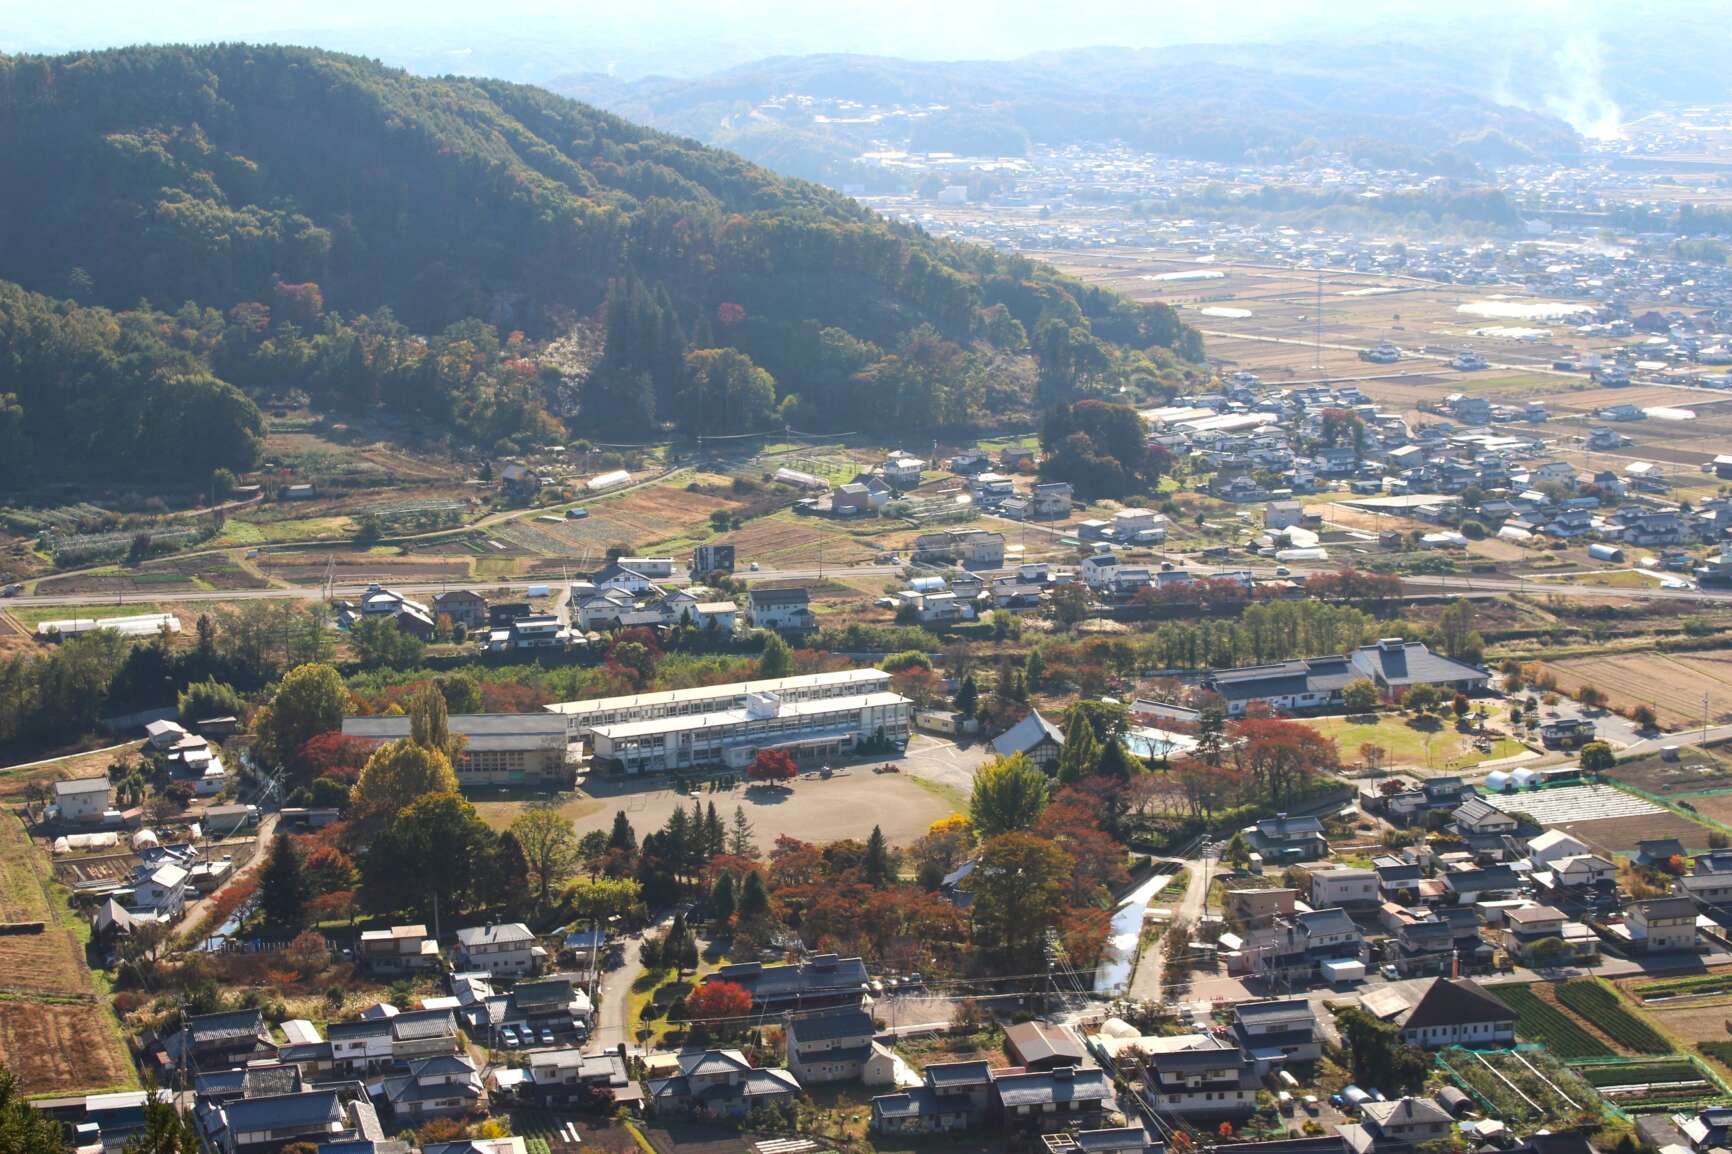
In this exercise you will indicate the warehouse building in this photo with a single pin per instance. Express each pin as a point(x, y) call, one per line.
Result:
point(811, 730)
point(583, 716)
point(522, 749)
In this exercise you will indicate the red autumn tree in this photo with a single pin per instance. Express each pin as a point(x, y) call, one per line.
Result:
point(1281, 757)
point(772, 765)
point(720, 1008)
point(333, 755)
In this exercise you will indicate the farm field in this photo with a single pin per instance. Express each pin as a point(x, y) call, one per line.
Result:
point(1539, 1020)
point(55, 1033)
point(64, 1048)
point(1695, 1019)
point(1672, 684)
point(1601, 1005)
point(305, 568)
point(1407, 746)
point(1697, 769)
point(1657, 1086)
point(785, 540)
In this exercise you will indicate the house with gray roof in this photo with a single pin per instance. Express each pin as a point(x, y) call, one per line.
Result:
point(952, 1096)
point(822, 980)
point(1278, 1032)
point(1313, 683)
point(719, 1083)
point(1458, 1012)
point(1063, 1096)
point(502, 949)
point(439, 1087)
point(837, 1045)
point(331, 1113)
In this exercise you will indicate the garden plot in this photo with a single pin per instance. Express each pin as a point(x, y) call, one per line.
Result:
point(1649, 1086)
point(1522, 1086)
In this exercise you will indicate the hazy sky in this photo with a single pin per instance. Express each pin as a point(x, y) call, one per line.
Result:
point(535, 39)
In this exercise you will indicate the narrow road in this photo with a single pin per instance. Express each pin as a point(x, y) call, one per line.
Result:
point(266, 833)
point(613, 1000)
point(1146, 980)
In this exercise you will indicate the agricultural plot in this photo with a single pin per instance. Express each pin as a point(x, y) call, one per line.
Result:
point(1601, 1005)
point(1672, 1084)
point(785, 540)
point(54, 1033)
point(1608, 819)
point(1539, 1021)
point(1521, 1086)
point(1673, 685)
point(1697, 770)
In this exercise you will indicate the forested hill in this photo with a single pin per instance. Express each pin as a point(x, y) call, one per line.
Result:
point(321, 210)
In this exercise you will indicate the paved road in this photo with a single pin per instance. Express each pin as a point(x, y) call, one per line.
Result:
point(266, 834)
point(612, 999)
point(1146, 979)
point(354, 589)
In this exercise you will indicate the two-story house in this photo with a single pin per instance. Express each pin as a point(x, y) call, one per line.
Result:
point(399, 950)
point(1283, 839)
point(1211, 1083)
point(440, 1087)
point(837, 1045)
point(81, 800)
point(1277, 1033)
point(1349, 887)
point(719, 1083)
point(503, 949)
point(951, 1097)
point(1401, 1125)
point(1059, 1098)
point(786, 610)
point(1545, 934)
point(1661, 925)
point(1478, 816)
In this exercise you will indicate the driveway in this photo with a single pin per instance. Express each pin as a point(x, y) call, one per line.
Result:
point(944, 761)
point(266, 832)
point(613, 995)
point(1146, 981)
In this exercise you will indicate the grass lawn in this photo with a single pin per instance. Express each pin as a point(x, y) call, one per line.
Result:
point(1611, 579)
point(1406, 745)
point(236, 532)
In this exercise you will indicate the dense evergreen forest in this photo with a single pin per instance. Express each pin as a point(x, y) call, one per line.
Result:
point(187, 219)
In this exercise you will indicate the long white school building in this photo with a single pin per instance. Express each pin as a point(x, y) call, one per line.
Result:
point(582, 717)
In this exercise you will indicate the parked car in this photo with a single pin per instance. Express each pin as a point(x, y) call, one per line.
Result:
point(12, 590)
point(546, 1037)
point(508, 1036)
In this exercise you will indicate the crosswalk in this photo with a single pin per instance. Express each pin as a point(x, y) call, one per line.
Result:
point(786, 1146)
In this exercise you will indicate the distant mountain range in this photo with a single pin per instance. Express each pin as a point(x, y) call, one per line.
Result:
point(1386, 101)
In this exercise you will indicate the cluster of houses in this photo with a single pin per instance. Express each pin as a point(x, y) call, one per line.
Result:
point(1482, 894)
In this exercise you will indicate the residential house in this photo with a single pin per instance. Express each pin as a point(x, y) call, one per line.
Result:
point(1659, 851)
point(227, 1038)
point(1346, 886)
point(1551, 846)
point(554, 1004)
point(82, 799)
point(1051, 500)
point(1545, 935)
point(1478, 816)
point(503, 949)
point(990, 490)
point(1217, 1082)
point(1469, 885)
point(856, 500)
point(1401, 1125)
point(391, 1041)
point(1582, 871)
point(465, 607)
point(966, 547)
point(1253, 909)
point(1294, 948)
point(719, 1083)
point(519, 480)
point(398, 950)
point(1288, 839)
point(1282, 514)
point(445, 1086)
point(1711, 889)
point(1397, 878)
point(270, 1122)
point(1276, 1033)
point(903, 471)
point(710, 559)
point(566, 1078)
point(952, 1096)
point(1661, 925)
point(1457, 1012)
point(820, 981)
point(1016, 460)
point(1035, 737)
point(1040, 1045)
point(838, 1045)
point(1421, 946)
point(784, 610)
point(1060, 1097)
